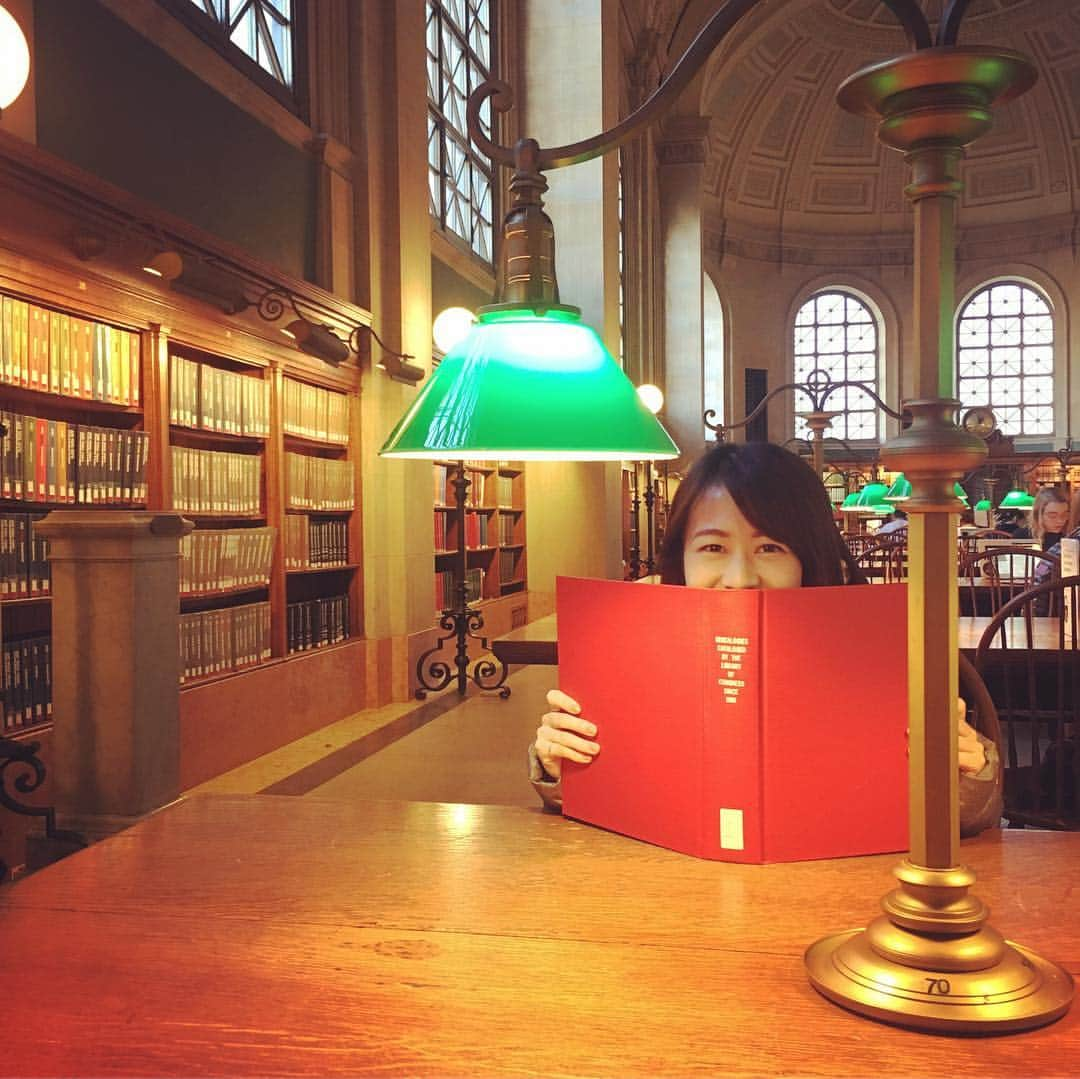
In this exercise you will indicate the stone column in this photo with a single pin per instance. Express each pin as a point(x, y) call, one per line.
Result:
point(115, 659)
point(682, 162)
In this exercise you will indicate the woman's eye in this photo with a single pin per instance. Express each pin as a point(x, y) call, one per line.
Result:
point(773, 548)
point(713, 548)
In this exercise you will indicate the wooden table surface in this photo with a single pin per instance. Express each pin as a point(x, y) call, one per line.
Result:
point(261, 935)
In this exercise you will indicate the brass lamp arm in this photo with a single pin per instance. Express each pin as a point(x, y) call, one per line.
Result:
point(819, 391)
point(686, 67)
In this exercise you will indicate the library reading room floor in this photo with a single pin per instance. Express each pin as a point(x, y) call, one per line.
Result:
point(444, 749)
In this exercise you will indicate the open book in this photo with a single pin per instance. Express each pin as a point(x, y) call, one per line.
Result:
point(746, 726)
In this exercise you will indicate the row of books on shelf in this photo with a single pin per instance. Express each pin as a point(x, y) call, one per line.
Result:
point(54, 352)
point(446, 581)
point(315, 543)
point(201, 395)
point(213, 481)
point(509, 566)
point(27, 681)
point(24, 557)
point(475, 493)
point(318, 483)
point(312, 412)
point(507, 527)
point(55, 461)
point(316, 623)
point(214, 560)
point(216, 642)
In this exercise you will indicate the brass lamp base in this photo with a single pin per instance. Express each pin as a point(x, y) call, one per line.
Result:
point(932, 964)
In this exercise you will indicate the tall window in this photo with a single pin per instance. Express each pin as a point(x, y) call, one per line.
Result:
point(1005, 357)
point(261, 29)
point(458, 60)
point(836, 332)
point(712, 373)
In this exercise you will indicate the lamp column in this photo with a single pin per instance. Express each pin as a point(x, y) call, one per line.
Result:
point(931, 962)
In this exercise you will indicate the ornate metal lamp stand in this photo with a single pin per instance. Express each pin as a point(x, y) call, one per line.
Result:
point(462, 624)
point(931, 961)
point(635, 526)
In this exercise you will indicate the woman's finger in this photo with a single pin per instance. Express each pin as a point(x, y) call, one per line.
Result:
point(563, 721)
point(559, 701)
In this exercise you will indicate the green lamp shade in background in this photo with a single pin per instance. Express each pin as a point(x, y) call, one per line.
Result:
point(848, 505)
point(900, 490)
point(871, 496)
point(1017, 500)
point(529, 387)
point(983, 504)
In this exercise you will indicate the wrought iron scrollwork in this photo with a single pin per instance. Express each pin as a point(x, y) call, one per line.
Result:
point(24, 770)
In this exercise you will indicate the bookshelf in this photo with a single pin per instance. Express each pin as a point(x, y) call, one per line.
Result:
point(494, 532)
point(70, 406)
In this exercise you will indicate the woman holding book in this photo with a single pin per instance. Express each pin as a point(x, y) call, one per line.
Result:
point(753, 515)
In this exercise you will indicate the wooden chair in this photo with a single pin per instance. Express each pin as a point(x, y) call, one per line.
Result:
point(993, 577)
point(857, 542)
point(969, 541)
point(1031, 666)
point(884, 562)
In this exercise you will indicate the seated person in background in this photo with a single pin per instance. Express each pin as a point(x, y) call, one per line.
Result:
point(896, 523)
point(1044, 570)
point(1049, 517)
point(1009, 521)
point(753, 515)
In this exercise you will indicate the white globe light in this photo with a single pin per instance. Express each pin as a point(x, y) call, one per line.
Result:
point(14, 59)
point(451, 327)
point(652, 397)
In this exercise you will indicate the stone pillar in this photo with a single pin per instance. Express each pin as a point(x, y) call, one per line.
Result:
point(115, 631)
point(682, 162)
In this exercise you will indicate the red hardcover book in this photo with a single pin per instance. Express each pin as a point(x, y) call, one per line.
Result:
point(41, 460)
point(728, 722)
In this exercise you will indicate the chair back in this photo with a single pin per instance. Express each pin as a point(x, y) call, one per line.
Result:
point(994, 576)
point(884, 563)
point(857, 542)
point(1031, 666)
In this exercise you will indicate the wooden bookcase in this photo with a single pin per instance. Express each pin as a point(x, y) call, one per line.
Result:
point(494, 531)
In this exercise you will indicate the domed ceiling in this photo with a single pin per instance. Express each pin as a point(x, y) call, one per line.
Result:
point(785, 165)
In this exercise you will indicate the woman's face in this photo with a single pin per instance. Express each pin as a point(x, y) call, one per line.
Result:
point(1055, 516)
point(723, 550)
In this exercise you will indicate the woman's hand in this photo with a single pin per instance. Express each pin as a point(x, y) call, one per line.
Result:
point(971, 751)
point(564, 735)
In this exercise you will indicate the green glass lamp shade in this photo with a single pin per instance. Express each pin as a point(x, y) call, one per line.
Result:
point(1017, 500)
point(900, 490)
point(983, 504)
point(873, 494)
point(961, 493)
point(529, 386)
point(849, 502)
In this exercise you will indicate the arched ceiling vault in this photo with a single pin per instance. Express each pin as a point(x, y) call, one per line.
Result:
point(789, 175)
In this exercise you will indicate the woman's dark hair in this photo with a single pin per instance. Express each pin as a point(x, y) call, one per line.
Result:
point(780, 495)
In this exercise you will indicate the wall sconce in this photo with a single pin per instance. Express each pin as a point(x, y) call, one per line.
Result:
point(200, 280)
point(396, 364)
point(14, 59)
point(318, 341)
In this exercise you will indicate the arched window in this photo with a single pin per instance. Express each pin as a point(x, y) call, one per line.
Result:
point(459, 179)
point(1005, 357)
point(712, 380)
point(837, 333)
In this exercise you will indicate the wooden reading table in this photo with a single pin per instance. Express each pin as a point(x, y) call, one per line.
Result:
point(261, 935)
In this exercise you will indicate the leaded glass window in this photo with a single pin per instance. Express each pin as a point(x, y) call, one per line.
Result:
point(1005, 357)
point(837, 333)
point(459, 178)
point(261, 29)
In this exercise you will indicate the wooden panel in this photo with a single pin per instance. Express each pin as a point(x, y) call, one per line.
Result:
point(234, 720)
